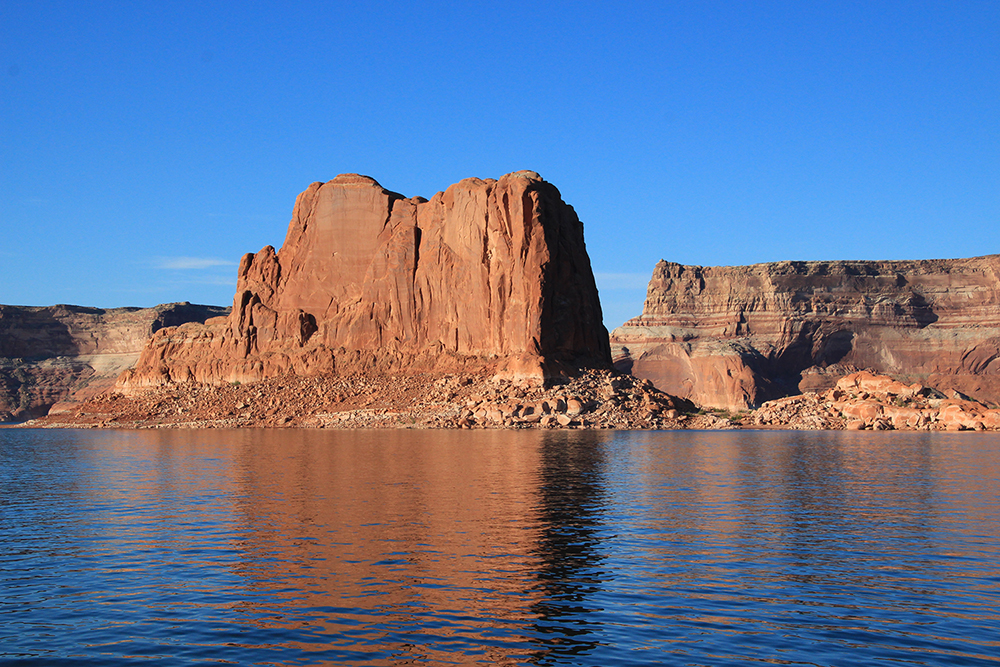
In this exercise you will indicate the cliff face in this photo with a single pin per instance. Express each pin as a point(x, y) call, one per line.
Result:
point(60, 355)
point(488, 275)
point(734, 337)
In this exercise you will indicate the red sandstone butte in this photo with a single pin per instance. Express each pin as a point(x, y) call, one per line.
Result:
point(489, 275)
point(734, 337)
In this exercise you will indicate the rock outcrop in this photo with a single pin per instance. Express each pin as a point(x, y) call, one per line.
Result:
point(735, 337)
point(53, 357)
point(489, 275)
point(866, 401)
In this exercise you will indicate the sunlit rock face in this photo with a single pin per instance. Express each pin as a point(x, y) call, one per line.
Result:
point(734, 337)
point(489, 275)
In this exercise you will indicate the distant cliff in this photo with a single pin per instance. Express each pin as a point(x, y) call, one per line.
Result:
point(734, 337)
point(487, 276)
point(63, 354)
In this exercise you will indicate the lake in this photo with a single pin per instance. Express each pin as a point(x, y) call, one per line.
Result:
point(299, 547)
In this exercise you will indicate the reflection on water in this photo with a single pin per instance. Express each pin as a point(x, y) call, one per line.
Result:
point(495, 547)
point(388, 539)
point(570, 497)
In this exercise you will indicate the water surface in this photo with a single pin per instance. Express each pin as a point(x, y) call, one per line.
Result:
point(499, 547)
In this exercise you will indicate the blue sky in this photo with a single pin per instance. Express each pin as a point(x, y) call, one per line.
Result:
point(144, 147)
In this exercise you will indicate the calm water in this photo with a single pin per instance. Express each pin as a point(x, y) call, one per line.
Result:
point(521, 548)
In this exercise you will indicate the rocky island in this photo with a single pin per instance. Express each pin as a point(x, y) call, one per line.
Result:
point(478, 308)
point(487, 276)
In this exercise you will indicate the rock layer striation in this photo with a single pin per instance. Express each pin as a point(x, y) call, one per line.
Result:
point(734, 337)
point(53, 357)
point(487, 275)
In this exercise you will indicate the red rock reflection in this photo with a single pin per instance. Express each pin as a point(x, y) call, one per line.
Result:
point(360, 534)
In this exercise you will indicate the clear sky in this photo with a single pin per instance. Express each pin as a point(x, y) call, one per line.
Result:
point(145, 146)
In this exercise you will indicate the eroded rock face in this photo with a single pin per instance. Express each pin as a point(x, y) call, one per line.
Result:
point(734, 337)
point(55, 356)
point(490, 274)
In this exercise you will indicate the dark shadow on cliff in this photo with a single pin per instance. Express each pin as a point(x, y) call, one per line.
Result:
point(176, 314)
point(920, 311)
point(31, 333)
point(814, 347)
point(625, 363)
point(817, 346)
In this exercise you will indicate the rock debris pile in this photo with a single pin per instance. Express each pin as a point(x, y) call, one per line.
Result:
point(867, 401)
point(594, 399)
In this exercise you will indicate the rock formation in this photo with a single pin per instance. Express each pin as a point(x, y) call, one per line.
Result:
point(488, 275)
point(60, 355)
point(865, 401)
point(734, 337)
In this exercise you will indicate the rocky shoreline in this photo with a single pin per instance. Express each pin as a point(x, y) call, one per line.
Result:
point(593, 400)
point(868, 401)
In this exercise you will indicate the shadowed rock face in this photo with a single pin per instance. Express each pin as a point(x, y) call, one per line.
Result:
point(734, 337)
point(59, 355)
point(488, 275)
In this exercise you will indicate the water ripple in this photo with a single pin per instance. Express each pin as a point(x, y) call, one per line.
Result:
point(427, 548)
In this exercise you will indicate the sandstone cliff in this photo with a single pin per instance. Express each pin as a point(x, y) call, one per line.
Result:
point(734, 337)
point(487, 275)
point(60, 355)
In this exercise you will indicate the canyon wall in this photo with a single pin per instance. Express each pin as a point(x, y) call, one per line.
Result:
point(734, 337)
point(489, 275)
point(53, 357)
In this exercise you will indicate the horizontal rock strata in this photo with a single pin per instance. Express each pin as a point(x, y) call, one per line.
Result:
point(489, 275)
point(52, 357)
point(734, 337)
